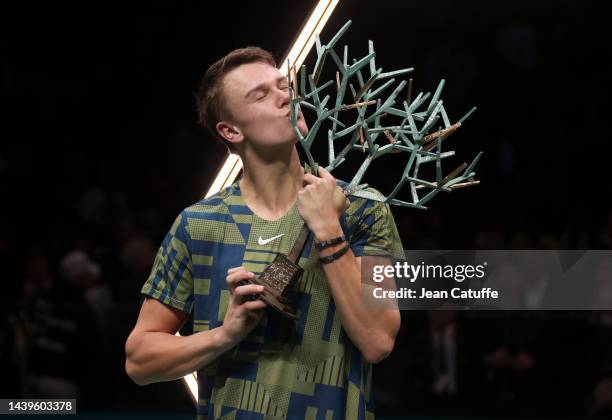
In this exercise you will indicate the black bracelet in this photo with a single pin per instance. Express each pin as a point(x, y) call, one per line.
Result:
point(330, 242)
point(333, 257)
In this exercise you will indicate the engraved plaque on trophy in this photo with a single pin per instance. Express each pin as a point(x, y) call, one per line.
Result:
point(279, 276)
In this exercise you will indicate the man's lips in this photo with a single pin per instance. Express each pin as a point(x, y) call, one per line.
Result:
point(288, 115)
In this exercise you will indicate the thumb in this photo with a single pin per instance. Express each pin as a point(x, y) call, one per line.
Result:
point(347, 204)
point(324, 173)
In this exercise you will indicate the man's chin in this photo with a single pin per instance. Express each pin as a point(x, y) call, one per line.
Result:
point(303, 131)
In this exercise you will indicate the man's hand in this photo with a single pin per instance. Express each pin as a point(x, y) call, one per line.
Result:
point(320, 203)
point(242, 314)
point(155, 354)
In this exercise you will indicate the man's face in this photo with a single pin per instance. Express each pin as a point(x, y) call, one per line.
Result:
point(257, 98)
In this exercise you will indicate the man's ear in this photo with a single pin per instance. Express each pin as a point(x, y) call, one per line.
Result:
point(229, 132)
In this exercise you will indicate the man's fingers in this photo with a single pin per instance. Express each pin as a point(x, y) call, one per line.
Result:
point(324, 173)
point(238, 275)
point(235, 277)
point(234, 269)
point(254, 305)
point(310, 179)
point(248, 289)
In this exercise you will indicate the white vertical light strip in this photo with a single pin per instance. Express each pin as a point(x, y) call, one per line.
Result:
point(233, 165)
point(296, 56)
point(191, 382)
point(306, 39)
point(228, 173)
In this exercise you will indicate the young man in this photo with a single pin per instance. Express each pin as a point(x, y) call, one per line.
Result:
point(251, 361)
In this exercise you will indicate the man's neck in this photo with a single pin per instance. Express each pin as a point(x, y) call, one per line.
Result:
point(270, 186)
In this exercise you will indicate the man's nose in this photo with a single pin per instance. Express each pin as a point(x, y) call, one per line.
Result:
point(283, 95)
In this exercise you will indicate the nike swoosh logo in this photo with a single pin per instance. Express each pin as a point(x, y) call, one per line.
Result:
point(262, 241)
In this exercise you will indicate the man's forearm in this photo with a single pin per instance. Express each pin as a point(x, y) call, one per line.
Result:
point(372, 331)
point(159, 356)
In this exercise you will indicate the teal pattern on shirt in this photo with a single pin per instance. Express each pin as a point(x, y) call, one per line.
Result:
point(283, 368)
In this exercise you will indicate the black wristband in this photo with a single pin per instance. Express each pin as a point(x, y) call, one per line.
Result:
point(333, 257)
point(330, 242)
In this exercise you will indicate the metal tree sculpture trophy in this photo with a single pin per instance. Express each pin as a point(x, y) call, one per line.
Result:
point(419, 135)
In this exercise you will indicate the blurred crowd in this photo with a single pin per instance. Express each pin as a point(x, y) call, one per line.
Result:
point(71, 296)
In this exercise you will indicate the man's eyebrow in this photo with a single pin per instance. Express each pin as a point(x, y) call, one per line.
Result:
point(262, 86)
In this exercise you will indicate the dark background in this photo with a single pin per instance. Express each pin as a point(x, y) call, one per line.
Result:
point(101, 150)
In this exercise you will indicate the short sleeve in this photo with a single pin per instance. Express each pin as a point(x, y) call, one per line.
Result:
point(171, 278)
point(375, 232)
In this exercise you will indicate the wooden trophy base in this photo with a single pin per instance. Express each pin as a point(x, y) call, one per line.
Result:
point(276, 279)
